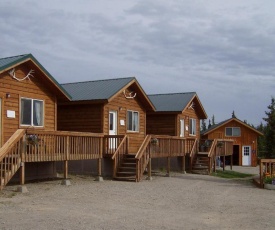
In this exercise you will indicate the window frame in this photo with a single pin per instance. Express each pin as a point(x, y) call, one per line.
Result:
point(133, 121)
point(192, 126)
point(32, 112)
point(232, 131)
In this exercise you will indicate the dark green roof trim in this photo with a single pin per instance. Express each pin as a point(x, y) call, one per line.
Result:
point(6, 63)
point(96, 90)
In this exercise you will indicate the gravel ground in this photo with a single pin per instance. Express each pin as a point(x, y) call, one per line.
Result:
point(182, 201)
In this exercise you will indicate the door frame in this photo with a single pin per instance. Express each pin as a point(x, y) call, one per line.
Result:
point(246, 160)
point(115, 122)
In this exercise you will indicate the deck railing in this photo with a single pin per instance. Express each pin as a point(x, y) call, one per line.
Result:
point(111, 143)
point(61, 146)
point(11, 156)
point(267, 169)
point(118, 155)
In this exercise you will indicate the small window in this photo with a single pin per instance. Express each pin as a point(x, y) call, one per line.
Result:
point(32, 112)
point(192, 126)
point(132, 121)
point(232, 131)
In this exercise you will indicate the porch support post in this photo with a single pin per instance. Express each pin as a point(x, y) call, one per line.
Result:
point(231, 161)
point(149, 177)
point(223, 166)
point(183, 165)
point(215, 162)
point(66, 166)
point(99, 163)
point(168, 167)
point(22, 188)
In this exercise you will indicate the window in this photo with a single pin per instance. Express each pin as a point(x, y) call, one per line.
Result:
point(232, 131)
point(132, 121)
point(192, 126)
point(32, 112)
point(181, 127)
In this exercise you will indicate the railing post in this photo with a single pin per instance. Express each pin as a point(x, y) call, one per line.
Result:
point(66, 164)
point(22, 163)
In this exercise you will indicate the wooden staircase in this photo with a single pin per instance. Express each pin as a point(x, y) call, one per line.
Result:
point(200, 164)
point(127, 169)
point(8, 168)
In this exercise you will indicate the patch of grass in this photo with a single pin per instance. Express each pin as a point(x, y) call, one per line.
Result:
point(230, 174)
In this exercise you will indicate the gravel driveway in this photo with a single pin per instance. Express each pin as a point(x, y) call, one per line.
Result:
point(182, 201)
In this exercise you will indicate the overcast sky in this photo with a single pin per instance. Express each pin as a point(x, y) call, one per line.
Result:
point(223, 50)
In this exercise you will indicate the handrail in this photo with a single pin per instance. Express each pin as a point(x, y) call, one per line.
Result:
point(11, 156)
point(212, 148)
point(143, 147)
point(142, 157)
point(19, 133)
point(64, 133)
point(194, 148)
point(117, 157)
point(119, 147)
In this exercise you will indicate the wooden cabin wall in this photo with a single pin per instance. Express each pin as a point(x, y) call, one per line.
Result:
point(248, 138)
point(80, 117)
point(161, 124)
point(121, 105)
point(34, 88)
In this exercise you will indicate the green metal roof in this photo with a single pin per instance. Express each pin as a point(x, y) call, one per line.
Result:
point(174, 102)
point(96, 90)
point(6, 63)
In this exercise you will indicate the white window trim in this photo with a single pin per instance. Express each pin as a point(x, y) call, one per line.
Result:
point(133, 131)
point(43, 114)
point(232, 131)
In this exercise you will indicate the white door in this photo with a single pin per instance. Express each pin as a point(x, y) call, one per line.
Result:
point(246, 156)
point(112, 128)
point(181, 127)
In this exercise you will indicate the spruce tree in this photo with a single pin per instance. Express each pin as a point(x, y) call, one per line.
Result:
point(203, 125)
point(270, 130)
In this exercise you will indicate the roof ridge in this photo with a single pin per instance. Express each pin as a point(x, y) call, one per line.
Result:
point(158, 94)
point(68, 83)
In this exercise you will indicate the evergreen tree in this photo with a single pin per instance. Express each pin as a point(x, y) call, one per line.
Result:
point(270, 130)
point(203, 125)
point(213, 120)
point(233, 114)
point(209, 124)
point(261, 141)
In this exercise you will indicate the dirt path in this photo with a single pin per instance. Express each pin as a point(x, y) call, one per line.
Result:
point(179, 202)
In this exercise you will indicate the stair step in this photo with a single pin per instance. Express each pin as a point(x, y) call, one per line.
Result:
point(125, 178)
point(201, 172)
point(123, 169)
point(126, 173)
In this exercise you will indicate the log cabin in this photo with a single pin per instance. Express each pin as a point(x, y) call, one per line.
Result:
point(112, 107)
point(28, 101)
point(177, 114)
point(244, 138)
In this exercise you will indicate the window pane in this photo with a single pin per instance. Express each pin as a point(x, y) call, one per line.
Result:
point(192, 126)
point(228, 131)
point(129, 120)
point(236, 131)
point(26, 109)
point(135, 123)
point(37, 113)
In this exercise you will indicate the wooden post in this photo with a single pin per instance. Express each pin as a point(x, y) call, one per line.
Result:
point(149, 169)
point(223, 166)
point(22, 163)
point(66, 166)
point(183, 164)
point(261, 174)
point(231, 161)
point(22, 173)
point(168, 166)
point(215, 163)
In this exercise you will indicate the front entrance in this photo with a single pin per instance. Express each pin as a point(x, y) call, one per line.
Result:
point(112, 128)
point(246, 156)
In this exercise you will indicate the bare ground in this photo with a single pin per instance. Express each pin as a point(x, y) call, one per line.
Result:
point(182, 201)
